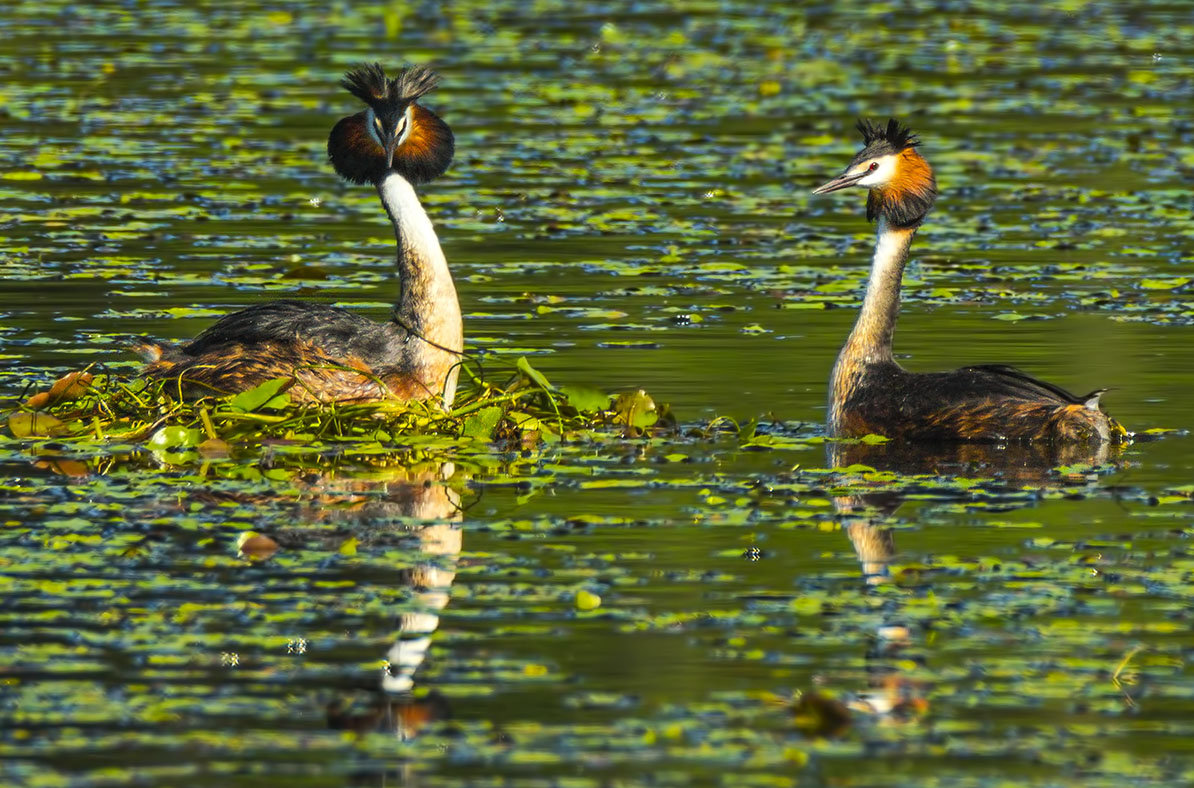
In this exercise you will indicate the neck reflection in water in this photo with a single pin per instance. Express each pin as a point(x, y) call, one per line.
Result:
point(430, 512)
point(864, 516)
point(867, 517)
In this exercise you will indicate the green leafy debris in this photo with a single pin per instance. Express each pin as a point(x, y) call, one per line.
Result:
point(527, 410)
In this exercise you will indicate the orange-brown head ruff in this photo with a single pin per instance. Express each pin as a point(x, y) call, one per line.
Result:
point(908, 197)
point(394, 132)
point(901, 185)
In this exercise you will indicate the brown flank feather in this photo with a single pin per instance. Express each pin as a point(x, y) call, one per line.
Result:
point(971, 404)
point(318, 377)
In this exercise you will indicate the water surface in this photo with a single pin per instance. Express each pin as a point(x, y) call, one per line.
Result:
point(630, 208)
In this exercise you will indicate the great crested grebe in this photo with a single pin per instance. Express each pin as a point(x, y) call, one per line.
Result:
point(334, 354)
point(871, 393)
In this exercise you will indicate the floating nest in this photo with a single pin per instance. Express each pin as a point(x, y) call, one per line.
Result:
point(524, 411)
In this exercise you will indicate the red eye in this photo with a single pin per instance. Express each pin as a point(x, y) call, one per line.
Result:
point(874, 166)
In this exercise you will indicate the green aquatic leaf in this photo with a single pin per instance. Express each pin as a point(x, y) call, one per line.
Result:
point(636, 409)
point(35, 425)
point(175, 439)
point(532, 374)
point(586, 600)
point(586, 399)
point(482, 423)
point(1164, 284)
point(270, 395)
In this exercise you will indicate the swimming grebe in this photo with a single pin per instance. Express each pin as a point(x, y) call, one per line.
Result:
point(871, 393)
point(334, 354)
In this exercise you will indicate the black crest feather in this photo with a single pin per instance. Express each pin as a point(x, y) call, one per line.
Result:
point(895, 134)
point(413, 83)
point(368, 82)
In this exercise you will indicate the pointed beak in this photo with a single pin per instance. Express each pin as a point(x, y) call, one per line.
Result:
point(391, 145)
point(840, 182)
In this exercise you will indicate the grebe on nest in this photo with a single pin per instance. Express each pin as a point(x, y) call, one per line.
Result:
point(871, 393)
point(334, 354)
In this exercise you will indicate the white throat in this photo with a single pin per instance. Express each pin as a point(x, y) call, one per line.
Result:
point(872, 335)
point(887, 266)
point(412, 227)
point(427, 303)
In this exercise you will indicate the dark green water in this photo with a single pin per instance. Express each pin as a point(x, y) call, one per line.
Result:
point(630, 206)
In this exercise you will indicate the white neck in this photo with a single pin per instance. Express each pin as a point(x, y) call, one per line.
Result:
point(427, 303)
point(871, 339)
point(412, 227)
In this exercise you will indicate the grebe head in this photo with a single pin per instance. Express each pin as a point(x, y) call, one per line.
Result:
point(393, 133)
point(901, 183)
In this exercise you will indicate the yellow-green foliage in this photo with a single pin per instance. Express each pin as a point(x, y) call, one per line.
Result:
point(526, 409)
